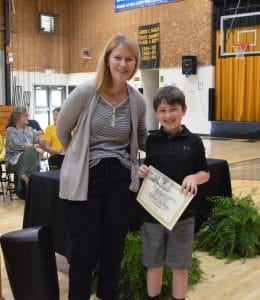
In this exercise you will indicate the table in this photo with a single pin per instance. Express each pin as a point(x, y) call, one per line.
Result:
point(43, 206)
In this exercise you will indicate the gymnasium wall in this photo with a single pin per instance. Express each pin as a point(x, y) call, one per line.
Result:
point(2, 82)
point(35, 51)
point(185, 29)
point(1, 25)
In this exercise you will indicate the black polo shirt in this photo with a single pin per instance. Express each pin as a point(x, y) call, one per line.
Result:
point(177, 156)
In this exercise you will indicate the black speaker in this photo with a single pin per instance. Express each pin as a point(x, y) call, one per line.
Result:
point(189, 64)
point(211, 111)
point(30, 264)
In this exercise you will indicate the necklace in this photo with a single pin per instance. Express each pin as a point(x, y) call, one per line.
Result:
point(116, 98)
point(114, 106)
point(114, 101)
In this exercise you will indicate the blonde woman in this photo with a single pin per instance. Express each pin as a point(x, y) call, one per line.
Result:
point(99, 171)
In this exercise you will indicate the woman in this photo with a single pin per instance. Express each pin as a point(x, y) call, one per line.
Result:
point(52, 144)
point(99, 171)
point(22, 149)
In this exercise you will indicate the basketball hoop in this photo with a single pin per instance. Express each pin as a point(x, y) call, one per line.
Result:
point(240, 49)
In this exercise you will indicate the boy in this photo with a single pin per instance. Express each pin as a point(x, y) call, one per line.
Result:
point(180, 155)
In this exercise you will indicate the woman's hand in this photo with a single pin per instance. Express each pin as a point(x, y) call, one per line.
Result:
point(189, 185)
point(143, 171)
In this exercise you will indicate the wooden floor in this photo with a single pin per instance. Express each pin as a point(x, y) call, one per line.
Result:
point(239, 280)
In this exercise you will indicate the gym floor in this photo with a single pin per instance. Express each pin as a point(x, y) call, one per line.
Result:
point(236, 280)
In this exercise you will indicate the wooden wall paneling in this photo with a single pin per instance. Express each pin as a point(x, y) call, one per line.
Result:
point(4, 114)
point(1, 25)
point(185, 28)
point(35, 51)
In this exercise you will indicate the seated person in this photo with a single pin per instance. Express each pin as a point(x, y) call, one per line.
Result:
point(1, 143)
point(51, 143)
point(22, 149)
point(1, 157)
point(36, 126)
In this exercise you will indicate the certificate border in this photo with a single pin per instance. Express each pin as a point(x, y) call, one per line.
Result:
point(143, 190)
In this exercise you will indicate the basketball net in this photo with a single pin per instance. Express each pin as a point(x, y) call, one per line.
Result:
point(240, 49)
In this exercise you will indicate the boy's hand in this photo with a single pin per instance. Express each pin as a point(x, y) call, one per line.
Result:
point(143, 171)
point(189, 185)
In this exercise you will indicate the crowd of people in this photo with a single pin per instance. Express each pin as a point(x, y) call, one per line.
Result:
point(94, 140)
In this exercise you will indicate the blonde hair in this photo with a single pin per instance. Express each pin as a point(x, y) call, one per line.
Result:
point(103, 75)
point(15, 116)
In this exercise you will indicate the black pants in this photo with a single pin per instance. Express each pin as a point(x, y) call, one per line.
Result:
point(98, 228)
point(55, 161)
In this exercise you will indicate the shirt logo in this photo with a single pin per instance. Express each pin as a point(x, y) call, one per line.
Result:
point(186, 148)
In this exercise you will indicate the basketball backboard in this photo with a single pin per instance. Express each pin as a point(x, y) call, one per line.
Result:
point(240, 28)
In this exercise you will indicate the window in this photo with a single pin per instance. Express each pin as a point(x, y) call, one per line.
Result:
point(47, 23)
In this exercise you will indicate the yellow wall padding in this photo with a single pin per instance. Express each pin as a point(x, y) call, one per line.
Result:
point(237, 85)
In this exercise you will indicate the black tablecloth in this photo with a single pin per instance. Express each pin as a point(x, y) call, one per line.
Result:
point(219, 184)
point(43, 206)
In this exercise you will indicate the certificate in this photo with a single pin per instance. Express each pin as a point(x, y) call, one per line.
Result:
point(162, 198)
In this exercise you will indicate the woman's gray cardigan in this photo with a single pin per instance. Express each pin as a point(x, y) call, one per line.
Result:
point(75, 116)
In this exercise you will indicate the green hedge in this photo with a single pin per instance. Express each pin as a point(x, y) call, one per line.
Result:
point(233, 229)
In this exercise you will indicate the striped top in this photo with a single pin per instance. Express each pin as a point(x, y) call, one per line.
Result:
point(75, 115)
point(110, 132)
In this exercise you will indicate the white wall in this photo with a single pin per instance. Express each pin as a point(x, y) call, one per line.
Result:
point(196, 89)
point(29, 79)
point(78, 78)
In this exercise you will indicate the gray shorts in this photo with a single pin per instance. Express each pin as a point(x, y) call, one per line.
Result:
point(162, 247)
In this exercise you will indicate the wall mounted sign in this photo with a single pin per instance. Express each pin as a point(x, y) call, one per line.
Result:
point(120, 5)
point(149, 44)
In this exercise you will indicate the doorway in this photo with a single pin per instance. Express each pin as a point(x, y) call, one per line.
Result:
point(46, 99)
